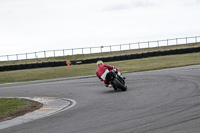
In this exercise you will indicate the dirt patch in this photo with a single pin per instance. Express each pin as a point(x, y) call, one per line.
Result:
point(20, 112)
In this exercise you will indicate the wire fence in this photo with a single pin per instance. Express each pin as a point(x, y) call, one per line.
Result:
point(101, 49)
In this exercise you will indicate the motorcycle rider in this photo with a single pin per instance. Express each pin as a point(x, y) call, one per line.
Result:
point(103, 70)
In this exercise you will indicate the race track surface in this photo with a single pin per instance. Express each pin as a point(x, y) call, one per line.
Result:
point(162, 101)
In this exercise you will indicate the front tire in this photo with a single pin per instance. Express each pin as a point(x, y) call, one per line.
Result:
point(115, 88)
point(119, 85)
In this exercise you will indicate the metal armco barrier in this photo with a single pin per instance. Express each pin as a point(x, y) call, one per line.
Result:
point(94, 60)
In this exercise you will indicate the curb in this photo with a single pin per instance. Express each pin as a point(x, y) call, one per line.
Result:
point(51, 106)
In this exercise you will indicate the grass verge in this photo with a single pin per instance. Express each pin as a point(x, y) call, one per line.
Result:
point(13, 107)
point(133, 65)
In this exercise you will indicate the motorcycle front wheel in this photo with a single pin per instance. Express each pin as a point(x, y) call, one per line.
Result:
point(119, 85)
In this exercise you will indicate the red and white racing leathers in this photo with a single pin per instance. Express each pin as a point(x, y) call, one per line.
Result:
point(102, 71)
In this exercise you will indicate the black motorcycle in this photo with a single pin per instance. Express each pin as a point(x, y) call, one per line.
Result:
point(117, 81)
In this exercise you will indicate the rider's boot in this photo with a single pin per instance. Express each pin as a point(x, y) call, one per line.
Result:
point(108, 85)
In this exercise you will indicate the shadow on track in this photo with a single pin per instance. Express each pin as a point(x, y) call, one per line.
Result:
point(112, 91)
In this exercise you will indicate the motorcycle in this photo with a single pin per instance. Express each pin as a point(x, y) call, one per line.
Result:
point(116, 80)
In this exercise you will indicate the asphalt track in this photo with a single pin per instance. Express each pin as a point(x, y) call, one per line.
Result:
point(161, 101)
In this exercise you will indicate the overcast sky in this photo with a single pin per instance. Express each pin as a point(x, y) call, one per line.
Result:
point(38, 25)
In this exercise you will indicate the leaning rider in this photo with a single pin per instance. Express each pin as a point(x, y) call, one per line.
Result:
point(103, 70)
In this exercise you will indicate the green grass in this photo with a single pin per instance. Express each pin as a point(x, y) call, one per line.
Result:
point(133, 65)
point(8, 106)
point(96, 55)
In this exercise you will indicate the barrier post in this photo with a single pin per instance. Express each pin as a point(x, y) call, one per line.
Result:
point(8, 57)
point(101, 48)
point(167, 42)
point(196, 39)
point(186, 41)
point(45, 54)
point(35, 55)
point(138, 45)
point(54, 52)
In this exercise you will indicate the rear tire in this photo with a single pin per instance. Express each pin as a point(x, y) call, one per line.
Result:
point(119, 85)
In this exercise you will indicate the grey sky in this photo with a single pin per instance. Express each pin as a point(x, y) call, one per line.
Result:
point(37, 25)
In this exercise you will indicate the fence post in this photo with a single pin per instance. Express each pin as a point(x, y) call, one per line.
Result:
point(176, 41)
point(8, 57)
point(138, 45)
point(35, 55)
point(26, 56)
point(63, 52)
point(54, 53)
point(148, 44)
point(129, 46)
point(72, 52)
point(90, 50)
point(196, 39)
point(186, 40)
point(120, 47)
point(167, 42)
point(82, 50)
point(110, 48)
point(44, 54)
point(158, 43)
